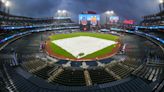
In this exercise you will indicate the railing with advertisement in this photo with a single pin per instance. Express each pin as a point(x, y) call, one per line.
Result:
point(34, 26)
point(140, 33)
point(149, 27)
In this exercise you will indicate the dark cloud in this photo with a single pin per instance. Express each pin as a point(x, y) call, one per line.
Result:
point(129, 9)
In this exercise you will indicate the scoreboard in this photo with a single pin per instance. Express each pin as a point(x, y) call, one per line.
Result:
point(88, 21)
point(113, 19)
point(91, 19)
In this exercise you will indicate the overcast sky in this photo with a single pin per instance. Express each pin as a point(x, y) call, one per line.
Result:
point(128, 9)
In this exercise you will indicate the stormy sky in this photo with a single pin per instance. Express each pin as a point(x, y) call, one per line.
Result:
point(126, 9)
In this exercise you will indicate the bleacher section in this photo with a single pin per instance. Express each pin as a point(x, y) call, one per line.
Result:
point(154, 19)
point(13, 26)
point(12, 20)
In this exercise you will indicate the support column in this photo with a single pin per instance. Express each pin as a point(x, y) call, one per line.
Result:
point(55, 74)
point(113, 74)
point(87, 78)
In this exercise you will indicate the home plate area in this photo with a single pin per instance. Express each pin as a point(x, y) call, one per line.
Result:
point(82, 46)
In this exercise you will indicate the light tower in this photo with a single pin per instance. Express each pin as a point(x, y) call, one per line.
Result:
point(62, 13)
point(7, 5)
point(161, 5)
point(108, 13)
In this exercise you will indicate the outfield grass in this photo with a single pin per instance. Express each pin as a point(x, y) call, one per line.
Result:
point(58, 50)
point(98, 35)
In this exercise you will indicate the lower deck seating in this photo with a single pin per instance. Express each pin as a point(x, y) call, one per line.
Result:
point(148, 72)
point(131, 63)
point(99, 76)
point(159, 87)
point(62, 62)
point(25, 85)
point(134, 85)
point(2, 86)
point(44, 72)
point(106, 61)
point(76, 64)
point(33, 65)
point(21, 84)
point(70, 77)
point(121, 71)
point(92, 63)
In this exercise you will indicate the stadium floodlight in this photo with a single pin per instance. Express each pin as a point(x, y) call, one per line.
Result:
point(110, 12)
point(64, 11)
point(3, 1)
point(161, 5)
point(161, 1)
point(59, 11)
point(7, 4)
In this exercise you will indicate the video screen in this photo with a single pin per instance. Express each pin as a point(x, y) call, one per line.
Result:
point(92, 19)
point(130, 22)
point(114, 19)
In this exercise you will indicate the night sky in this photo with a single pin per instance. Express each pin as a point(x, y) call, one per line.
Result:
point(126, 9)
